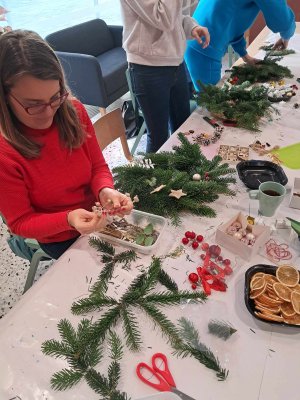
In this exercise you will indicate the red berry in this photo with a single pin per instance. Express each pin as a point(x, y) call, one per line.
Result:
point(187, 234)
point(193, 277)
point(204, 246)
point(192, 235)
point(185, 240)
point(195, 245)
point(226, 261)
point(194, 286)
point(228, 269)
point(199, 238)
point(220, 258)
point(202, 256)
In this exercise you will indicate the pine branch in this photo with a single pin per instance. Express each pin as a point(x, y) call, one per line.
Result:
point(191, 346)
point(168, 329)
point(98, 383)
point(101, 285)
point(92, 303)
point(67, 333)
point(221, 329)
point(116, 347)
point(105, 324)
point(167, 281)
point(114, 374)
point(166, 298)
point(56, 349)
point(130, 329)
point(102, 246)
point(65, 379)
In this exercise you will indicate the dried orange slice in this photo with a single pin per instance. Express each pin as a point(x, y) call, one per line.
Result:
point(269, 310)
point(282, 291)
point(270, 278)
point(287, 310)
point(257, 283)
point(269, 317)
point(295, 319)
point(267, 301)
point(296, 288)
point(295, 298)
point(287, 275)
point(257, 292)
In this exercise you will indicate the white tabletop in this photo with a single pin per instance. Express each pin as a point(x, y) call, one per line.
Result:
point(262, 359)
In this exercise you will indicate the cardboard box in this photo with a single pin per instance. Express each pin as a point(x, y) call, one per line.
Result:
point(261, 232)
point(295, 198)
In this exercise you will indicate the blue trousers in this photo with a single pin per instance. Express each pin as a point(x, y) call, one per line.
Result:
point(56, 249)
point(202, 68)
point(163, 96)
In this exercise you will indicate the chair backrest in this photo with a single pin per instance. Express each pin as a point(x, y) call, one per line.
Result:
point(91, 37)
point(110, 127)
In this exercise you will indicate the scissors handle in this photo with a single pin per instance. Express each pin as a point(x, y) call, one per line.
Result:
point(165, 372)
point(162, 385)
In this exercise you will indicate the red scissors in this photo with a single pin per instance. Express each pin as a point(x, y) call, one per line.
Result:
point(163, 376)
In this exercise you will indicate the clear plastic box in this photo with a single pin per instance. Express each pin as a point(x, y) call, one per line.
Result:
point(142, 219)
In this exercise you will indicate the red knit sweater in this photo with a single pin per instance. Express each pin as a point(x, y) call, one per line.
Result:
point(35, 194)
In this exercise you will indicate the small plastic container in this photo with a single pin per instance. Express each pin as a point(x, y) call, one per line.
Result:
point(141, 219)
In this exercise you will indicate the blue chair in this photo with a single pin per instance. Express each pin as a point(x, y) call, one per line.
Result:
point(93, 60)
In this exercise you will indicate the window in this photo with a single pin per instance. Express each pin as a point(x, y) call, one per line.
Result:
point(44, 16)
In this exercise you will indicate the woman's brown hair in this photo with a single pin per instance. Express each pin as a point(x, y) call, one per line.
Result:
point(26, 53)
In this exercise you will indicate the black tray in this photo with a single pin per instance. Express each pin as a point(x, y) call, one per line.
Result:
point(254, 172)
point(267, 269)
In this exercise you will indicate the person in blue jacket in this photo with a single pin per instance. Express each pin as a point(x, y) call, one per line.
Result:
point(227, 21)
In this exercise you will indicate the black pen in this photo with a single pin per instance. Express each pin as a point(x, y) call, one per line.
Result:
point(211, 122)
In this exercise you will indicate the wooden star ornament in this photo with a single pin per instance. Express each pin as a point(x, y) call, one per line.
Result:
point(158, 189)
point(177, 193)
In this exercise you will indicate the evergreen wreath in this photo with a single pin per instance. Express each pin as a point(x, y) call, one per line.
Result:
point(240, 103)
point(174, 170)
point(264, 71)
point(83, 356)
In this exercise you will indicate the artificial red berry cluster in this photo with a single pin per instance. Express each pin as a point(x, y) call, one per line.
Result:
point(211, 275)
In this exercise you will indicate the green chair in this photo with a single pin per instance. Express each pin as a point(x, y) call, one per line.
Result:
point(28, 249)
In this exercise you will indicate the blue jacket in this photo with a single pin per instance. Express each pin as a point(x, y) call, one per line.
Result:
point(227, 20)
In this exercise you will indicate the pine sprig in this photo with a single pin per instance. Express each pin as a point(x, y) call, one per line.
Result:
point(165, 280)
point(221, 329)
point(166, 298)
point(271, 52)
point(110, 259)
point(175, 170)
point(130, 329)
point(65, 379)
point(190, 345)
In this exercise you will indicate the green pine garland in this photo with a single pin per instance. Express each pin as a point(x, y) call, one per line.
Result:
point(241, 103)
point(265, 71)
point(175, 170)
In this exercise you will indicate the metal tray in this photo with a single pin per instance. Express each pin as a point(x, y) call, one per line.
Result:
point(254, 172)
point(267, 269)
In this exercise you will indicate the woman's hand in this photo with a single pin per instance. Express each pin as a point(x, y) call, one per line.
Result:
point(115, 201)
point(281, 44)
point(250, 60)
point(198, 33)
point(85, 222)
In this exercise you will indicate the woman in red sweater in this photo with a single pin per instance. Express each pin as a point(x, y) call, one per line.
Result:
point(52, 170)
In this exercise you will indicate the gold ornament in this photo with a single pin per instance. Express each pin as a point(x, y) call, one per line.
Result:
point(158, 189)
point(177, 193)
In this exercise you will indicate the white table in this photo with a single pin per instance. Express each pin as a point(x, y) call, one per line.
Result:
point(263, 359)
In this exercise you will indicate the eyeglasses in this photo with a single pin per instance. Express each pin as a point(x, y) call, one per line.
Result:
point(40, 108)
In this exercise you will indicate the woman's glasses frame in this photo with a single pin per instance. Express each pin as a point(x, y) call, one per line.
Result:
point(40, 108)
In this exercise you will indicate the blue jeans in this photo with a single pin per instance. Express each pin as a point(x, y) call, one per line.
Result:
point(202, 68)
point(56, 249)
point(163, 96)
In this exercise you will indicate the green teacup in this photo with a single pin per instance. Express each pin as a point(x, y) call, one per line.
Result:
point(270, 196)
